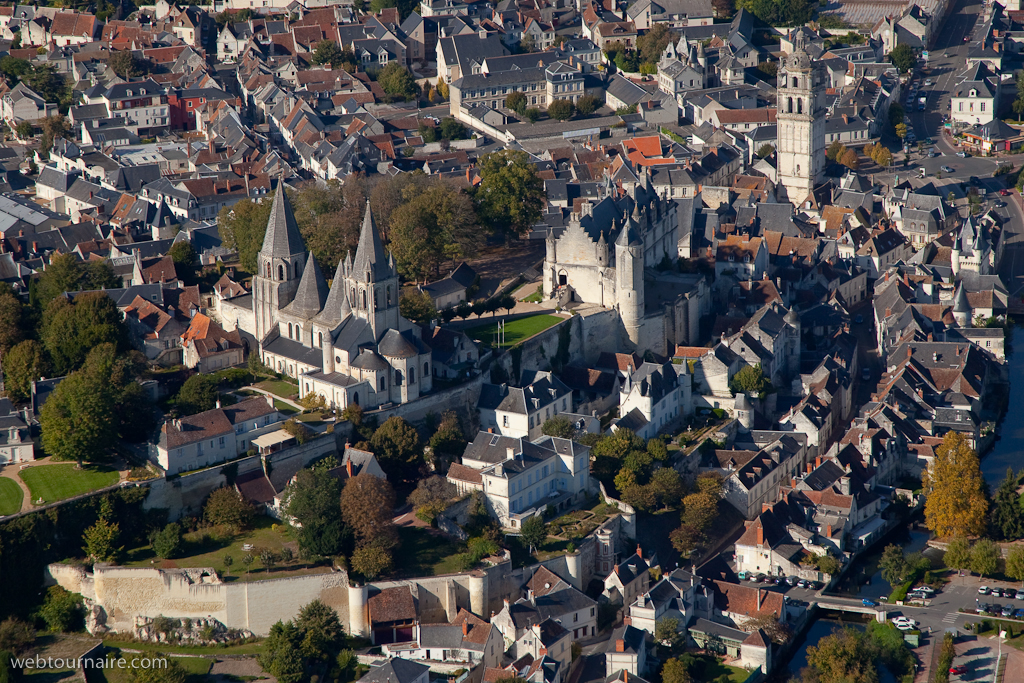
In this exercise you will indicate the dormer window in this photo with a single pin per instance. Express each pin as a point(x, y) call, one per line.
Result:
point(128, 93)
point(142, 91)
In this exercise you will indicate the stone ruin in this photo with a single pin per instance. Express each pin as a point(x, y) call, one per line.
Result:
point(200, 631)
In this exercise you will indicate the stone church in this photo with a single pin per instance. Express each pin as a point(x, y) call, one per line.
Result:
point(620, 251)
point(346, 342)
point(801, 126)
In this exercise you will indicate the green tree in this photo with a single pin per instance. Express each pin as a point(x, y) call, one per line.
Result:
point(561, 110)
point(835, 150)
point(372, 560)
point(14, 68)
point(185, 259)
point(435, 226)
point(242, 228)
point(955, 501)
point(667, 633)
point(281, 656)
point(321, 630)
point(12, 323)
point(448, 441)
point(77, 419)
point(765, 150)
point(882, 156)
point(901, 130)
point(1014, 564)
point(559, 426)
point(903, 58)
point(958, 554)
point(367, 505)
point(16, 636)
point(24, 129)
point(1007, 516)
point(510, 195)
point(62, 274)
point(587, 105)
point(984, 557)
point(312, 499)
point(749, 379)
point(54, 127)
point(531, 114)
point(62, 610)
point(71, 329)
point(167, 543)
point(101, 542)
point(227, 507)
point(23, 364)
point(516, 101)
point(197, 394)
point(896, 114)
point(844, 656)
point(327, 52)
point(396, 81)
point(397, 447)
point(534, 532)
point(451, 129)
point(653, 43)
point(667, 486)
point(99, 275)
point(124, 64)
point(894, 566)
point(675, 671)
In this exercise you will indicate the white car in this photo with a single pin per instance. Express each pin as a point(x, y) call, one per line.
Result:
point(904, 623)
point(925, 589)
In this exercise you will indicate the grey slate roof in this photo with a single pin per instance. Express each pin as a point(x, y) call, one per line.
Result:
point(370, 257)
point(396, 345)
point(282, 237)
point(312, 292)
point(396, 670)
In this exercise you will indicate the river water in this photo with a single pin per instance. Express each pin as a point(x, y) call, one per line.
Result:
point(1008, 450)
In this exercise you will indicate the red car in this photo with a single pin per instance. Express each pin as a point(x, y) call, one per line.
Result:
point(1005, 192)
point(958, 669)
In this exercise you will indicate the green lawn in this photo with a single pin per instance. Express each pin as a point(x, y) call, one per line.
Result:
point(516, 330)
point(709, 668)
point(10, 497)
point(207, 549)
point(196, 668)
point(57, 482)
point(530, 292)
point(425, 554)
point(279, 387)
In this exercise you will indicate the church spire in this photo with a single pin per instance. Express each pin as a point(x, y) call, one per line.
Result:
point(312, 292)
point(337, 300)
point(282, 238)
point(370, 257)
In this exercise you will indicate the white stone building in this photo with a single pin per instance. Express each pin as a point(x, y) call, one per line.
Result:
point(801, 126)
point(522, 411)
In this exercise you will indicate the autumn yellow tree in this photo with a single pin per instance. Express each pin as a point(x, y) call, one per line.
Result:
point(955, 491)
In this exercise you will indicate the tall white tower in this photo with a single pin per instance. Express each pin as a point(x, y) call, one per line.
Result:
point(629, 275)
point(801, 125)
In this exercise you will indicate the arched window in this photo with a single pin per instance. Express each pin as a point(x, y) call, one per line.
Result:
point(290, 334)
point(412, 375)
point(280, 272)
point(298, 332)
point(426, 369)
point(363, 292)
point(796, 82)
point(383, 382)
point(352, 297)
point(320, 343)
point(389, 294)
point(298, 270)
point(398, 378)
point(799, 105)
point(790, 111)
point(376, 299)
point(355, 398)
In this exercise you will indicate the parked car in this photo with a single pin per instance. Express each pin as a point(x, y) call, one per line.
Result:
point(801, 583)
point(1012, 593)
point(962, 154)
point(948, 169)
point(1007, 610)
point(928, 82)
point(925, 589)
point(984, 590)
point(792, 580)
point(996, 592)
point(958, 669)
point(1005, 192)
point(1019, 614)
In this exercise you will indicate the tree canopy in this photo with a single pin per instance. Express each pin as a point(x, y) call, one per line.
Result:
point(312, 499)
point(396, 81)
point(242, 228)
point(510, 195)
point(955, 504)
point(903, 58)
point(397, 447)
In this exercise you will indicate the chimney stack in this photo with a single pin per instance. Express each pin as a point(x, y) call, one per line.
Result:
point(465, 629)
point(760, 535)
point(348, 468)
point(620, 645)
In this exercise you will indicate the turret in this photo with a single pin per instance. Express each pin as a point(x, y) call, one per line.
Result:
point(961, 307)
point(602, 250)
point(629, 275)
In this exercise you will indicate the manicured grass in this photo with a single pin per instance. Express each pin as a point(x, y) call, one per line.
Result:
point(709, 668)
point(208, 547)
point(425, 554)
point(196, 668)
point(279, 387)
point(10, 497)
point(57, 482)
point(515, 330)
point(284, 408)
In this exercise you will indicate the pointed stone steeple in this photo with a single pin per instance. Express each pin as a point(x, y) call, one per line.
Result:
point(282, 238)
point(337, 301)
point(370, 256)
point(311, 294)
